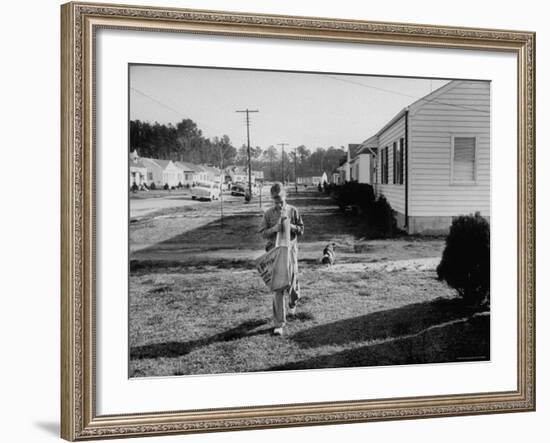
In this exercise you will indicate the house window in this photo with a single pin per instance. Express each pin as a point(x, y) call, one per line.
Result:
point(149, 176)
point(384, 166)
point(463, 160)
point(398, 156)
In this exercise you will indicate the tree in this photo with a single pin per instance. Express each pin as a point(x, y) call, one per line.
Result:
point(190, 141)
point(270, 155)
point(288, 167)
point(303, 154)
point(223, 153)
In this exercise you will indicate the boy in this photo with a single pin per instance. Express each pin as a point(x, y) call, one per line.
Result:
point(274, 222)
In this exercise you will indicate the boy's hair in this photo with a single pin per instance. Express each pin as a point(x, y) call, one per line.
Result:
point(277, 189)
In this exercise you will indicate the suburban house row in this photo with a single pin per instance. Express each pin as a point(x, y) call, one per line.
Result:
point(144, 170)
point(432, 160)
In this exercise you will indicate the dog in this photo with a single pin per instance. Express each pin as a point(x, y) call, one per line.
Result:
point(328, 255)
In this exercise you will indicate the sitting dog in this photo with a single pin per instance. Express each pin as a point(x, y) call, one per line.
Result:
point(328, 254)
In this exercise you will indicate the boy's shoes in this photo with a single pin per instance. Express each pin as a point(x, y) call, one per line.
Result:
point(278, 331)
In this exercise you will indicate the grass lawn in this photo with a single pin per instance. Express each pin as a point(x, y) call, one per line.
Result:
point(197, 305)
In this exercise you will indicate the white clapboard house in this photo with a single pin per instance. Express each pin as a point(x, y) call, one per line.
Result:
point(161, 172)
point(432, 160)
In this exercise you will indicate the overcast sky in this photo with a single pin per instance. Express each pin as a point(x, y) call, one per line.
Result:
point(316, 110)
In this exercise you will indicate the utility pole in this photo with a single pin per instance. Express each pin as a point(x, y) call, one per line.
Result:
point(295, 176)
point(248, 111)
point(282, 145)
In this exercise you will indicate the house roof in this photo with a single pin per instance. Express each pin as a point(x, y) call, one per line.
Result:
point(211, 169)
point(186, 166)
point(353, 148)
point(369, 146)
point(413, 107)
point(137, 163)
point(199, 168)
point(161, 163)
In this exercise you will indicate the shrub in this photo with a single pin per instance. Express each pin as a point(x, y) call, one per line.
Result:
point(153, 186)
point(465, 264)
point(330, 188)
point(135, 187)
point(166, 187)
point(180, 185)
point(381, 216)
point(356, 194)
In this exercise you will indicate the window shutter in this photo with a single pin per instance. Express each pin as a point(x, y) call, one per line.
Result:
point(387, 165)
point(401, 160)
point(464, 159)
point(394, 163)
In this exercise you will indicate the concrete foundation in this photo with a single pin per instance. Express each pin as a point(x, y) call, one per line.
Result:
point(430, 225)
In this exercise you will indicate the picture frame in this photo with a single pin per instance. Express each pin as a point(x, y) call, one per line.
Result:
point(80, 22)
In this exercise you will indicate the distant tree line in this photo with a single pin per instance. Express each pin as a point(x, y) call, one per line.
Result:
point(185, 142)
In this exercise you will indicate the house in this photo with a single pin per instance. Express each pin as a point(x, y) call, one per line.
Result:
point(188, 173)
point(258, 175)
point(312, 180)
point(213, 174)
point(201, 174)
point(138, 170)
point(343, 171)
point(361, 168)
point(237, 174)
point(161, 172)
point(432, 160)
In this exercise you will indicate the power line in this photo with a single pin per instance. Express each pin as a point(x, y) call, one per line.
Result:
point(407, 95)
point(180, 114)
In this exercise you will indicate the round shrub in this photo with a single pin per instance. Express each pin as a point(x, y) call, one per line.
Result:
point(166, 187)
point(465, 264)
point(153, 186)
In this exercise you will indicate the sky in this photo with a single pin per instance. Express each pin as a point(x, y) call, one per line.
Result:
point(311, 109)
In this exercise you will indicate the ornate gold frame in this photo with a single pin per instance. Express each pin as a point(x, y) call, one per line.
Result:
point(79, 21)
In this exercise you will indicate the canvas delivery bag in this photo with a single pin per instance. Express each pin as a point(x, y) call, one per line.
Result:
point(274, 265)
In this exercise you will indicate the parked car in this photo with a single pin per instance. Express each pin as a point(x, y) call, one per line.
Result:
point(206, 191)
point(238, 189)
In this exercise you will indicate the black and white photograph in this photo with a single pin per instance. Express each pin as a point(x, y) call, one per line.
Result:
point(283, 220)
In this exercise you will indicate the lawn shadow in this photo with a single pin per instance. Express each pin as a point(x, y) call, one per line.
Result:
point(465, 340)
point(390, 323)
point(326, 225)
point(239, 240)
point(175, 349)
point(238, 231)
